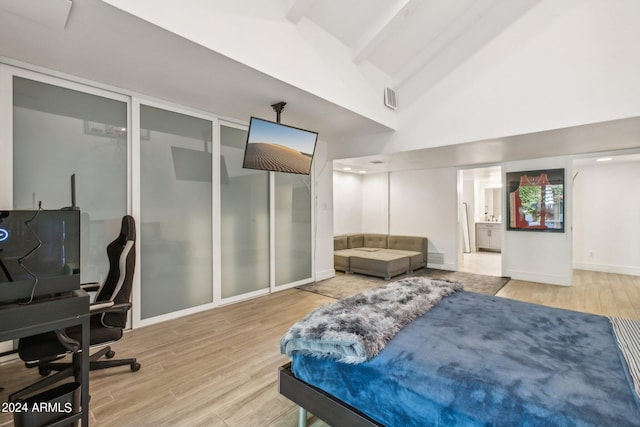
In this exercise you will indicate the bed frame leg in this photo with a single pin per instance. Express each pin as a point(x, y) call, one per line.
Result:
point(302, 417)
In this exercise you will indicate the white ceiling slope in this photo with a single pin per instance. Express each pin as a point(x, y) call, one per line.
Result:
point(414, 42)
point(328, 59)
point(52, 13)
point(103, 44)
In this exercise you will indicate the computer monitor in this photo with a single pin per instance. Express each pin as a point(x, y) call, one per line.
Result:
point(39, 253)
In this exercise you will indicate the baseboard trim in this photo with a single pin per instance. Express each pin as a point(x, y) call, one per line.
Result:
point(326, 274)
point(548, 279)
point(607, 268)
point(449, 267)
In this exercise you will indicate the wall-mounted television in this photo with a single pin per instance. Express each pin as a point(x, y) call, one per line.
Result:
point(276, 147)
point(39, 253)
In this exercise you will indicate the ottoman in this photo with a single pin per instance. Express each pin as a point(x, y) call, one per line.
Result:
point(382, 264)
point(341, 259)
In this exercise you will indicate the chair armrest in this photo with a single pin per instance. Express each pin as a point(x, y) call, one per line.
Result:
point(68, 343)
point(90, 287)
point(108, 306)
point(100, 307)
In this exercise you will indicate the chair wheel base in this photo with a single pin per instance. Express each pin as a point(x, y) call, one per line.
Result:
point(135, 367)
point(109, 354)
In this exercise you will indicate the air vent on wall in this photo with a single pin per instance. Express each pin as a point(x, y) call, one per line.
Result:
point(390, 99)
point(435, 258)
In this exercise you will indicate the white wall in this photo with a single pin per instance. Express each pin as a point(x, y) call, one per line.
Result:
point(424, 203)
point(324, 208)
point(414, 203)
point(606, 213)
point(564, 63)
point(347, 203)
point(600, 217)
point(375, 203)
point(543, 257)
point(361, 203)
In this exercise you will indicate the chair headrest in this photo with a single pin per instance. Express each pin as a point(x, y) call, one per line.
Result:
point(128, 229)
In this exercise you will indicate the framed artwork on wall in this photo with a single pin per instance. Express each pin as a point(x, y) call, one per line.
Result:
point(535, 200)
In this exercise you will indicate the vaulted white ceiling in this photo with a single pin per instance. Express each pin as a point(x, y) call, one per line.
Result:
point(191, 53)
point(101, 43)
point(410, 43)
point(414, 42)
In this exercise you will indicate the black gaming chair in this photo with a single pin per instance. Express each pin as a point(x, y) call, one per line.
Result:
point(108, 319)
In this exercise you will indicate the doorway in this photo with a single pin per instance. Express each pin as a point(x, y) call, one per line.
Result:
point(604, 213)
point(481, 203)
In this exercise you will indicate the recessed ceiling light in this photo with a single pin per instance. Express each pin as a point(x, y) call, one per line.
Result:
point(362, 171)
point(604, 159)
point(346, 169)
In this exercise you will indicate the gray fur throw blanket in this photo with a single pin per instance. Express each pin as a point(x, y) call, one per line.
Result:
point(355, 329)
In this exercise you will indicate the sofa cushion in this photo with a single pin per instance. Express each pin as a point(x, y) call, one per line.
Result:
point(409, 243)
point(375, 241)
point(355, 241)
point(339, 243)
point(416, 258)
point(341, 258)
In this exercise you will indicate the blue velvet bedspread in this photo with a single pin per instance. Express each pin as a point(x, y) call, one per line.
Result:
point(477, 360)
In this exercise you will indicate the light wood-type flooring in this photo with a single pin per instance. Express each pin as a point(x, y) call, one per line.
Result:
point(219, 368)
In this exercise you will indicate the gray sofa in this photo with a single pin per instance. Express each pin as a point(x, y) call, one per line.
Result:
point(379, 255)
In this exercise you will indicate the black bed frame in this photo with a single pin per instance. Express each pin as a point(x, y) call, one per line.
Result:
point(320, 403)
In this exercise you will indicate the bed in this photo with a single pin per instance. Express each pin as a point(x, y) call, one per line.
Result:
point(473, 360)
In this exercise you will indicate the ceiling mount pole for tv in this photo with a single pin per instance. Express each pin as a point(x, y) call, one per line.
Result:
point(278, 109)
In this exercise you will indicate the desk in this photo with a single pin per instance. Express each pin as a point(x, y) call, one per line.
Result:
point(48, 314)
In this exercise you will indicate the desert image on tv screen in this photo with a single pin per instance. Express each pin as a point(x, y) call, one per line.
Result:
point(275, 147)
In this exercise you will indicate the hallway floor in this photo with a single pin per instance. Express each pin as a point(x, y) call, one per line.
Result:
point(489, 263)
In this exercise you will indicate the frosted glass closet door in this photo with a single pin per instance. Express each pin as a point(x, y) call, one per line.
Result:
point(244, 206)
point(58, 132)
point(175, 210)
point(293, 249)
